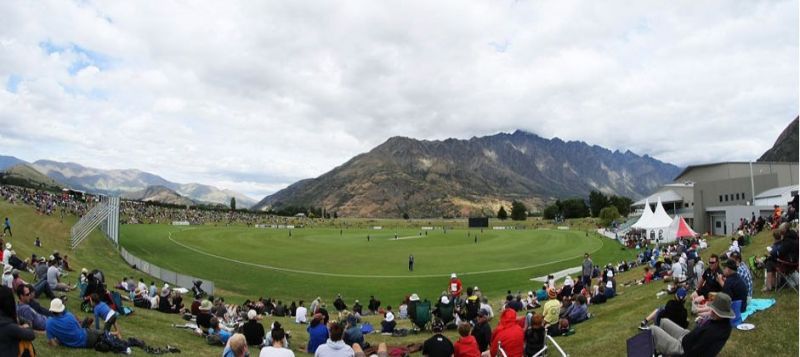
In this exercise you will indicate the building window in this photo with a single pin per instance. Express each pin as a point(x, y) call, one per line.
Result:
point(685, 205)
point(726, 198)
point(720, 198)
point(743, 196)
point(718, 224)
point(737, 196)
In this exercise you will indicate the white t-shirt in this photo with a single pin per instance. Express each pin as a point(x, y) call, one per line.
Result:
point(389, 316)
point(275, 352)
point(300, 314)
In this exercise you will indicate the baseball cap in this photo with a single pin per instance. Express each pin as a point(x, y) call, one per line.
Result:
point(731, 264)
point(681, 293)
point(483, 312)
point(453, 275)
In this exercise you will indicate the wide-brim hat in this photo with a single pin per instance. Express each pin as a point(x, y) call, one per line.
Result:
point(205, 305)
point(56, 305)
point(722, 306)
point(8, 245)
point(414, 297)
point(252, 314)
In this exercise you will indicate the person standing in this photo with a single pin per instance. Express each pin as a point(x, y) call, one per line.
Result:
point(7, 228)
point(587, 268)
point(411, 262)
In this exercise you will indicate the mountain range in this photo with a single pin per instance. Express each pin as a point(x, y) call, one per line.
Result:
point(120, 182)
point(453, 177)
point(159, 194)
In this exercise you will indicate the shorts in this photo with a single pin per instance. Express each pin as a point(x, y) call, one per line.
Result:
point(110, 323)
point(92, 336)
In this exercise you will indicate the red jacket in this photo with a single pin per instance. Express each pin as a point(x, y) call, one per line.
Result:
point(510, 334)
point(467, 347)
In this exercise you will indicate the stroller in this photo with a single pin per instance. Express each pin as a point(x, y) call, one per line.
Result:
point(197, 289)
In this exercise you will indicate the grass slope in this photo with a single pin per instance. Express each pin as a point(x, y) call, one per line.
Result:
point(776, 333)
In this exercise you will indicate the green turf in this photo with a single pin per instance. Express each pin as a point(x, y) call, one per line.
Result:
point(776, 332)
point(325, 261)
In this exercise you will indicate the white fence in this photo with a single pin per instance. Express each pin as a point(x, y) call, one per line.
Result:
point(168, 276)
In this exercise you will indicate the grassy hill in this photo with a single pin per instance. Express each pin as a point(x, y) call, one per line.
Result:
point(26, 175)
point(776, 332)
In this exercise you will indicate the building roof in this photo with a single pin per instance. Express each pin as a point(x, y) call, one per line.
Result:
point(692, 167)
point(778, 191)
point(665, 196)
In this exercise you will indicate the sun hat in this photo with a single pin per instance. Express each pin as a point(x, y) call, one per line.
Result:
point(252, 314)
point(8, 245)
point(722, 306)
point(42, 259)
point(445, 300)
point(205, 305)
point(84, 271)
point(56, 305)
point(475, 289)
point(414, 297)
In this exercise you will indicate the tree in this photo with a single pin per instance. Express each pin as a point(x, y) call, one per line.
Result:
point(233, 203)
point(575, 208)
point(518, 211)
point(608, 215)
point(552, 211)
point(622, 203)
point(597, 200)
point(502, 214)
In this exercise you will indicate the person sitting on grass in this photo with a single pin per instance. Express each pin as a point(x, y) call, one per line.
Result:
point(300, 313)
point(733, 285)
point(388, 324)
point(509, 333)
point(54, 278)
point(103, 312)
point(353, 333)
point(648, 275)
point(466, 346)
point(707, 339)
point(535, 335)
point(63, 328)
point(277, 348)
point(216, 330)
point(203, 317)
point(236, 346)
point(12, 332)
point(674, 311)
point(438, 345)
point(253, 330)
point(744, 274)
point(28, 313)
point(711, 280)
point(552, 307)
point(317, 333)
point(483, 331)
point(334, 346)
point(277, 326)
point(578, 311)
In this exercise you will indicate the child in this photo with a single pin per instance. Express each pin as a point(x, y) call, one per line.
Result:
point(467, 345)
point(103, 312)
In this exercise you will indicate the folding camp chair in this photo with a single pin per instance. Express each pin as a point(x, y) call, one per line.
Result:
point(445, 313)
point(642, 345)
point(751, 263)
point(422, 314)
point(785, 274)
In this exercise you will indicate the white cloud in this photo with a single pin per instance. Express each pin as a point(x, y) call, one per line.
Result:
point(285, 91)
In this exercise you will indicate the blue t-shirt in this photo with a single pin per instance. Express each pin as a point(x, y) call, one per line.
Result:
point(224, 335)
point(67, 330)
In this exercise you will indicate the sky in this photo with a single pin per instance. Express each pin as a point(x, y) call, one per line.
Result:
point(255, 95)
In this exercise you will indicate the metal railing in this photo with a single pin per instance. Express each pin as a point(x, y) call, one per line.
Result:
point(171, 277)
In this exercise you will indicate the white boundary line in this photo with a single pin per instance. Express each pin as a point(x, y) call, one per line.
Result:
point(270, 267)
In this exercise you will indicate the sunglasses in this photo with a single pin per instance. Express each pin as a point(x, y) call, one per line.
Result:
point(714, 262)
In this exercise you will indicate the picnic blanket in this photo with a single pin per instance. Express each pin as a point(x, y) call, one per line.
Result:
point(757, 305)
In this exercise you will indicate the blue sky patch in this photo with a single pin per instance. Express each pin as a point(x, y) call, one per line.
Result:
point(85, 56)
point(13, 83)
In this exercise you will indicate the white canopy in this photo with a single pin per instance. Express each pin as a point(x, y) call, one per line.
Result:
point(646, 215)
point(660, 217)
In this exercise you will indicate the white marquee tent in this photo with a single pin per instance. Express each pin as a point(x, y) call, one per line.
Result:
point(655, 223)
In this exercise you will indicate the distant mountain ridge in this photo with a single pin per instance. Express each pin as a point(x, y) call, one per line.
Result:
point(117, 182)
point(159, 194)
point(8, 161)
point(24, 174)
point(472, 177)
point(785, 148)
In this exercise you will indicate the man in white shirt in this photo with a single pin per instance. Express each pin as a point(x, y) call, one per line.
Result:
point(300, 314)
